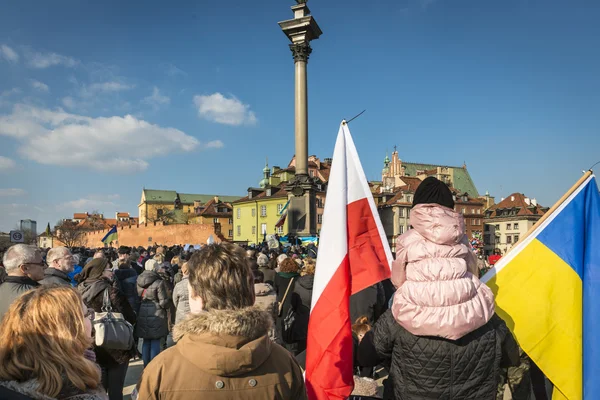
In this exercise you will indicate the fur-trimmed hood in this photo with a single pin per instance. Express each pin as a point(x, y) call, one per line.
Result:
point(29, 389)
point(225, 342)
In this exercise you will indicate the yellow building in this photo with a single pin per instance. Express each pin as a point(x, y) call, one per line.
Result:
point(257, 214)
point(155, 204)
point(214, 212)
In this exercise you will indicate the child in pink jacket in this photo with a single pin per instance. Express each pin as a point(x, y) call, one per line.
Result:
point(435, 272)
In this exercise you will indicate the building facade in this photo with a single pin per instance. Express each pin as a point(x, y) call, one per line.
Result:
point(217, 213)
point(507, 222)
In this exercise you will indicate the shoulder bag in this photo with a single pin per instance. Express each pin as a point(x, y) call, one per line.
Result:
point(112, 330)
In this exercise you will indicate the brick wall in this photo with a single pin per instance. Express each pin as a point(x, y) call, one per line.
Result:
point(168, 235)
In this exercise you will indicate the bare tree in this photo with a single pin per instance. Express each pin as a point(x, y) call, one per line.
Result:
point(70, 233)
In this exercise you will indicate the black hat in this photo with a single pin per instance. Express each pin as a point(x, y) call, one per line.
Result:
point(433, 191)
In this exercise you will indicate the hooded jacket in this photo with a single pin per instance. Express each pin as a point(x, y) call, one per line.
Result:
point(181, 300)
point(11, 288)
point(155, 302)
point(92, 293)
point(439, 293)
point(53, 276)
point(223, 354)
point(127, 278)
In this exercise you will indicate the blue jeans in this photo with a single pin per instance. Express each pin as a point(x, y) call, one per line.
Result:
point(150, 349)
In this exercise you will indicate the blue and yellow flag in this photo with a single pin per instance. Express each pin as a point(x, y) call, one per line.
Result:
point(111, 236)
point(548, 291)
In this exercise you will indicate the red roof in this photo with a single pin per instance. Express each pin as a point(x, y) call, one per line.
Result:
point(80, 215)
point(411, 182)
point(211, 209)
point(517, 201)
point(122, 215)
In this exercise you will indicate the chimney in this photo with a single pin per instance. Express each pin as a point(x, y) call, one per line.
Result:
point(216, 199)
point(527, 201)
point(512, 198)
point(534, 202)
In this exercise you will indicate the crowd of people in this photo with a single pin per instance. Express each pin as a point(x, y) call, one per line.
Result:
point(229, 322)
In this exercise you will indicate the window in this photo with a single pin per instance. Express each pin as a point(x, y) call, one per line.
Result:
point(254, 230)
point(401, 212)
point(464, 210)
point(263, 211)
point(311, 172)
point(516, 226)
point(486, 228)
point(239, 214)
point(263, 228)
point(508, 239)
point(408, 199)
point(239, 229)
point(159, 212)
point(254, 212)
point(516, 238)
point(230, 221)
point(280, 230)
point(279, 208)
point(215, 220)
point(497, 227)
point(319, 218)
point(479, 211)
point(231, 233)
point(473, 222)
point(407, 212)
point(508, 226)
point(400, 229)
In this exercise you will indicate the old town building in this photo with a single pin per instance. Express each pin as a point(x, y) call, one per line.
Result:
point(214, 212)
point(507, 221)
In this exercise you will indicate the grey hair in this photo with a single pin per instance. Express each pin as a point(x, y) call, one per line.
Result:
point(281, 258)
point(56, 253)
point(18, 255)
point(262, 260)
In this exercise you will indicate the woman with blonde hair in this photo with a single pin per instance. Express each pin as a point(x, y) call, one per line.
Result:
point(43, 339)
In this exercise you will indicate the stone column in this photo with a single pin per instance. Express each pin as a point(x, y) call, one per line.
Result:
point(301, 51)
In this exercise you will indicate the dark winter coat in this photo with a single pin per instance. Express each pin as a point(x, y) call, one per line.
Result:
point(369, 302)
point(13, 390)
point(425, 367)
point(127, 278)
point(282, 279)
point(53, 276)
point(11, 288)
point(155, 302)
point(92, 293)
point(301, 300)
point(269, 274)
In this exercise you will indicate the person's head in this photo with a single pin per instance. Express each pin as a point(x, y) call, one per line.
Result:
point(280, 259)
point(144, 254)
point(60, 258)
point(123, 253)
point(220, 279)
point(151, 265)
point(250, 253)
point(259, 277)
point(289, 265)
point(185, 270)
point(262, 260)
point(24, 260)
point(98, 268)
point(99, 254)
point(361, 327)
point(176, 260)
point(43, 336)
point(433, 191)
point(309, 266)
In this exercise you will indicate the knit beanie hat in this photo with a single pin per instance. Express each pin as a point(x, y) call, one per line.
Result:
point(433, 191)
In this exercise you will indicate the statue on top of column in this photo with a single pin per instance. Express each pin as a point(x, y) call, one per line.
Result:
point(301, 1)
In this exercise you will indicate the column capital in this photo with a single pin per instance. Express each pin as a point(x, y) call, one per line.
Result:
point(301, 51)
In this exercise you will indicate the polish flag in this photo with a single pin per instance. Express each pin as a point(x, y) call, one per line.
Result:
point(353, 255)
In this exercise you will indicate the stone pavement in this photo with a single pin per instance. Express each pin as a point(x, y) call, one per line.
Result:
point(133, 375)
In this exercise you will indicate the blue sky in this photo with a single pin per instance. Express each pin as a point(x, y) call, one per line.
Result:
point(99, 99)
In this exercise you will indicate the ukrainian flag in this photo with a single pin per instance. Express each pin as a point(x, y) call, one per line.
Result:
point(548, 291)
point(111, 236)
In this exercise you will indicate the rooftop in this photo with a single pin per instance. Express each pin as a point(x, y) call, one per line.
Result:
point(169, 196)
point(519, 203)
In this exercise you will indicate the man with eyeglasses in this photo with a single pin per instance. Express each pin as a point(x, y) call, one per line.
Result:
point(25, 268)
point(60, 264)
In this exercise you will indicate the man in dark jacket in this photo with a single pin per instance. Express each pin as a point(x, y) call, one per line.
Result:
point(424, 367)
point(60, 263)
point(25, 268)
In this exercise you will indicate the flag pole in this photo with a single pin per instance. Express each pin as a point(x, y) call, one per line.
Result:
point(585, 176)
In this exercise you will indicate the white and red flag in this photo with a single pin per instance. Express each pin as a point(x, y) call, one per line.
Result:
point(353, 255)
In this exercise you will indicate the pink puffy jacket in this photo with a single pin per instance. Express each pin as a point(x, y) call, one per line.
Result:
point(439, 293)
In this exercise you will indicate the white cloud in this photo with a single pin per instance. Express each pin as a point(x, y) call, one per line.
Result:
point(8, 93)
point(223, 110)
point(6, 163)
point(12, 192)
point(156, 99)
point(108, 87)
point(69, 102)
point(39, 60)
point(117, 144)
point(91, 203)
point(8, 54)
point(42, 87)
point(215, 144)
